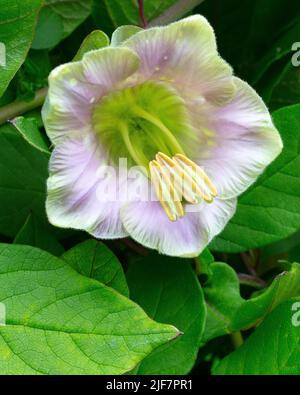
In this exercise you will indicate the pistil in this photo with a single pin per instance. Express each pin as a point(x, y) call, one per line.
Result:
point(141, 113)
point(138, 158)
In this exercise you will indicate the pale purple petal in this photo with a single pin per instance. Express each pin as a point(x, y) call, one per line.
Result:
point(74, 89)
point(243, 142)
point(184, 54)
point(76, 189)
point(68, 105)
point(109, 67)
point(147, 223)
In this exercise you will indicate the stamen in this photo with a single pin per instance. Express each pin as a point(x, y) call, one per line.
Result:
point(176, 178)
point(176, 201)
point(199, 172)
point(179, 177)
point(165, 192)
point(192, 186)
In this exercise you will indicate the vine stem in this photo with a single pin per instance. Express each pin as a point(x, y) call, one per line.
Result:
point(248, 263)
point(237, 339)
point(142, 14)
point(177, 10)
point(19, 107)
point(253, 281)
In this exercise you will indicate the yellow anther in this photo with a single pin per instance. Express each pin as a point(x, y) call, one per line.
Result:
point(191, 186)
point(198, 172)
point(182, 182)
point(172, 193)
point(179, 178)
point(166, 195)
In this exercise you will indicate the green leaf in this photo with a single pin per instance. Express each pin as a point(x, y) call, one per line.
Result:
point(203, 262)
point(58, 19)
point(169, 291)
point(18, 19)
point(49, 30)
point(281, 48)
point(33, 75)
point(72, 12)
point(228, 312)
point(126, 12)
point(288, 90)
point(29, 130)
point(94, 259)
point(254, 21)
point(270, 210)
point(294, 254)
point(175, 10)
point(60, 322)
point(23, 174)
point(280, 249)
point(37, 234)
point(273, 78)
point(95, 40)
point(274, 348)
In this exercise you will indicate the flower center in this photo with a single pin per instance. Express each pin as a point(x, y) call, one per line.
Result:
point(179, 179)
point(139, 121)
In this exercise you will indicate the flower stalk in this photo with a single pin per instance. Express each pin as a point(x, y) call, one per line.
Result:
point(20, 107)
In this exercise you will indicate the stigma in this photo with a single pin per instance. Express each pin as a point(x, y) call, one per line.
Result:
point(179, 180)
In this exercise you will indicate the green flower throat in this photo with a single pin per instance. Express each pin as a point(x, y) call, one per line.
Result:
point(137, 122)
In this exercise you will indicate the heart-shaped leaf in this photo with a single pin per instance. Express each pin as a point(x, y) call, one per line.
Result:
point(169, 291)
point(228, 312)
point(274, 348)
point(18, 20)
point(94, 259)
point(60, 322)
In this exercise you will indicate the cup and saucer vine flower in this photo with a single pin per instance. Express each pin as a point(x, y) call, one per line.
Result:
point(165, 102)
